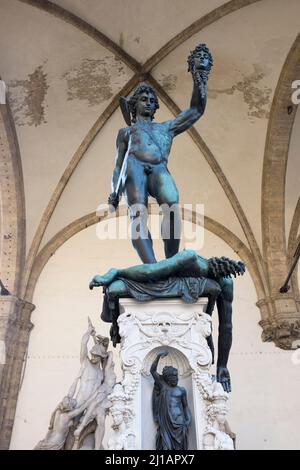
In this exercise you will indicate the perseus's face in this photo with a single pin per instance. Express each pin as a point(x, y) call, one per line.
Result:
point(145, 105)
point(201, 61)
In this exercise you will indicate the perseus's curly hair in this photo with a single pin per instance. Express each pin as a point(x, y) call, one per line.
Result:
point(195, 52)
point(133, 99)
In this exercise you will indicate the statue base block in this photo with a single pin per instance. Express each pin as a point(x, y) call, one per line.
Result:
point(146, 328)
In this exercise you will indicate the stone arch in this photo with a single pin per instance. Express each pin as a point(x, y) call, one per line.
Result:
point(293, 242)
point(14, 322)
point(284, 310)
point(12, 201)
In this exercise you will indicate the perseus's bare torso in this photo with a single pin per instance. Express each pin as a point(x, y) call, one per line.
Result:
point(149, 142)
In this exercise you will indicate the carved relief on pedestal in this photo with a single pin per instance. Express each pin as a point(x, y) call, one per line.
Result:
point(148, 330)
point(122, 436)
point(217, 434)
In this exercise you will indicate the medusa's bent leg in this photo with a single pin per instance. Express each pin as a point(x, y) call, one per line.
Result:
point(212, 290)
point(116, 290)
point(180, 264)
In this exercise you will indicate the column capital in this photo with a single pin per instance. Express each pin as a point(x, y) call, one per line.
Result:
point(282, 325)
point(24, 315)
point(16, 311)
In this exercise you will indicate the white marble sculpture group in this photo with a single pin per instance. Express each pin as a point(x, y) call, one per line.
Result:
point(97, 409)
point(81, 414)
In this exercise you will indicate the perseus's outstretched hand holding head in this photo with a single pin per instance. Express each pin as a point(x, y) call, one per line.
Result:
point(200, 62)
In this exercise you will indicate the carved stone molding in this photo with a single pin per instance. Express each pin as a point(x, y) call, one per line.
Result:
point(217, 434)
point(285, 334)
point(122, 436)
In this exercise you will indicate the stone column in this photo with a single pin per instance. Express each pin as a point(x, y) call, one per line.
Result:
point(14, 313)
point(284, 326)
point(15, 327)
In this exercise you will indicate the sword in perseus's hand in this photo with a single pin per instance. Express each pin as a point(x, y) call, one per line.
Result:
point(115, 196)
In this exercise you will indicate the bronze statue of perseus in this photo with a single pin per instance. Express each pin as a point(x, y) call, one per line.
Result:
point(142, 157)
point(141, 170)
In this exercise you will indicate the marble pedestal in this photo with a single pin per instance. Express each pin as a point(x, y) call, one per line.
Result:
point(145, 329)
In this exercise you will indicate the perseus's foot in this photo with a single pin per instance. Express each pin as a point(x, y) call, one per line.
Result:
point(105, 280)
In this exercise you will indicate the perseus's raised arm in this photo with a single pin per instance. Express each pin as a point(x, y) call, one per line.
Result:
point(187, 118)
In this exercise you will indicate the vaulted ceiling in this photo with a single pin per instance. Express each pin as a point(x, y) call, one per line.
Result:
point(65, 63)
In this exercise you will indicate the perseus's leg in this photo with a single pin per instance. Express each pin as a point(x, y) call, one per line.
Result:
point(140, 236)
point(163, 188)
point(136, 194)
